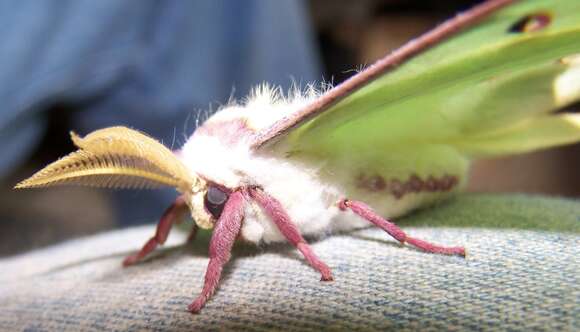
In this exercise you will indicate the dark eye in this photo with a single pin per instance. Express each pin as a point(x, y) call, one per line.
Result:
point(215, 199)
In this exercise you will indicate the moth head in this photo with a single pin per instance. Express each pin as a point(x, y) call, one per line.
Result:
point(207, 204)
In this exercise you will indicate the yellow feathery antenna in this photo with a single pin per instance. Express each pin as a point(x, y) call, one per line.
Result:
point(117, 157)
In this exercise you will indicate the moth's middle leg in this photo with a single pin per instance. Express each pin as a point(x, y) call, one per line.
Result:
point(280, 217)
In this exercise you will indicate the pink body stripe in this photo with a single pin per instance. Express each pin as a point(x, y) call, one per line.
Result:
point(228, 132)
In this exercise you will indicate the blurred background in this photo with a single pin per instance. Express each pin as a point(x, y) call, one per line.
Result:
point(162, 66)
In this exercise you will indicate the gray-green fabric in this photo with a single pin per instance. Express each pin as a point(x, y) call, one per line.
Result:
point(512, 279)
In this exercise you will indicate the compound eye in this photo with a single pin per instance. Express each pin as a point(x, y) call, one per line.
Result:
point(215, 200)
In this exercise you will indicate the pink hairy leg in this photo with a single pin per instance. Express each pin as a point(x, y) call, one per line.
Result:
point(274, 209)
point(172, 215)
point(222, 240)
point(367, 213)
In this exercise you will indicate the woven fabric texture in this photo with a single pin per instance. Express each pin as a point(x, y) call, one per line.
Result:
point(512, 280)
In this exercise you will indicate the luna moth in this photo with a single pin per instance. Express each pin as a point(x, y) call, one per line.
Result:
point(397, 136)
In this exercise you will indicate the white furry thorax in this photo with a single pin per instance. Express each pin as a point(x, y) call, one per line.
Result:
point(219, 151)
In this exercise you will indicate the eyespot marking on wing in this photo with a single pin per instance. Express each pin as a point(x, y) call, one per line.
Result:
point(566, 87)
point(399, 188)
point(531, 23)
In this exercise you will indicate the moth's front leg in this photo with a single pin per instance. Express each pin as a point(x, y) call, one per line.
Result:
point(364, 211)
point(224, 235)
point(172, 215)
point(280, 217)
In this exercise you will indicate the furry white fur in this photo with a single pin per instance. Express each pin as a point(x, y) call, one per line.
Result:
point(310, 203)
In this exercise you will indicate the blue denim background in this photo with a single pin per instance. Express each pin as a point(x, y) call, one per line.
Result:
point(151, 65)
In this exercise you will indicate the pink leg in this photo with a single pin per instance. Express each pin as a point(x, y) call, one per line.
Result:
point(172, 215)
point(367, 213)
point(224, 235)
point(279, 216)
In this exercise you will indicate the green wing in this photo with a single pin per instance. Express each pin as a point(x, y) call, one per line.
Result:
point(479, 84)
point(488, 91)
